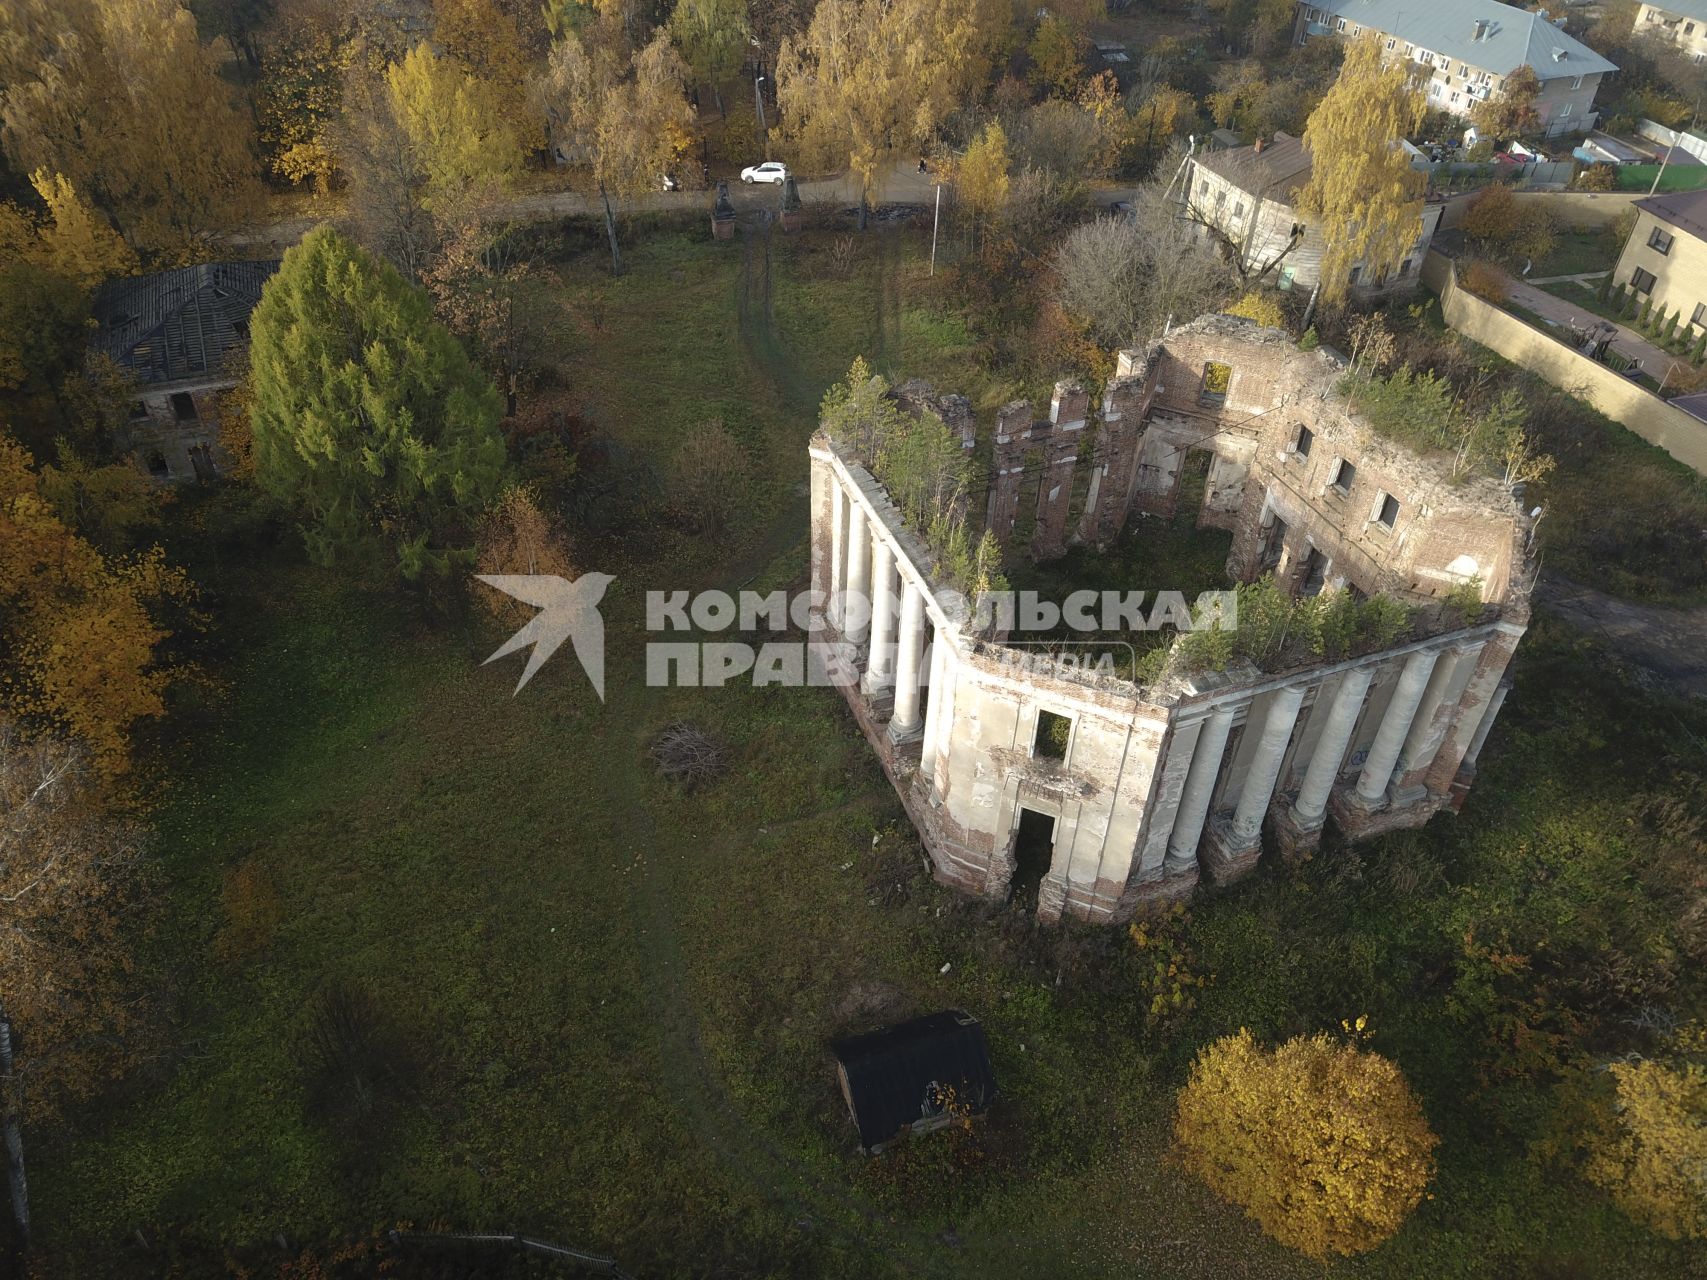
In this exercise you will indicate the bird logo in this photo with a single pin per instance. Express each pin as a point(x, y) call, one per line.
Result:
point(567, 611)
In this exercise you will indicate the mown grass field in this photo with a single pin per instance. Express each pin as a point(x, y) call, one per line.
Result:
point(617, 996)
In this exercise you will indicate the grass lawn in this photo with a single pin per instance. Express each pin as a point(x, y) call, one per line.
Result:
point(614, 998)
point(1577, 252)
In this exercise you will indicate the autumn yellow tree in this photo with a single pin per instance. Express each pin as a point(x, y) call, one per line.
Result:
point(1261, 308)
point(624, 118)
point(70, 877)
point(518, 536)
point(1057, 56)
point(121, 98)
point(1321, 1142)
point(461, 136)
point(869, 82)
point(1363, 192)
point(78, 637)
point(481, 37)
point(981, 177)
point(77, 242)
point(1655, 1164)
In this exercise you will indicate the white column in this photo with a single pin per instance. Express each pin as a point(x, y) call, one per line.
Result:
point(1395, 724)
point(1265, 764)
point(1199, 787)
point(905, 722)
point(1324, 765)
point(944, 695)
point(1424, 738)
point(933, 710)
point(838, 550)
point(856, 607)
point(1486, 724)
point(880, 667)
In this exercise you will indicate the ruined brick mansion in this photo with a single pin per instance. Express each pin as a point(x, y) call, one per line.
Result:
point(1148, 787)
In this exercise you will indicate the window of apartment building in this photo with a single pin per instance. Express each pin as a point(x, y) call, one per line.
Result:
point(1660, 239)
point(1699, 313)
point(1688, 30)
point(1203, 187)
point(1345, 474)
point(1404, 268)
point(1642, 281)
point(1408, 49)
point(1386, 510)
point(1455, 99)
point(1577, 82)
point(1564, 111)
point(1238, 210)
point(1391, 43)
point(1339, 24)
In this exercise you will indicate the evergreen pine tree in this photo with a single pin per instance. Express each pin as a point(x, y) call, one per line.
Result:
point(1700, 350)
point(1605, 287)
point(1671, 326)
point(368, 416)
point(1646, 315)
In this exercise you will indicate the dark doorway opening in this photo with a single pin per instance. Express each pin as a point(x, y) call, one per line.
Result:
point(1315, 573)
point(1034, 849)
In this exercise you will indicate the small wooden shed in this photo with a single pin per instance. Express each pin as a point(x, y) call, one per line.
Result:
point(901, 1078)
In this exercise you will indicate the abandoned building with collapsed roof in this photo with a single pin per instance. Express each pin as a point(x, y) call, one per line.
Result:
point(1141, 788)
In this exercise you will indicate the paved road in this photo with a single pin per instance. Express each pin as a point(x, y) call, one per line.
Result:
point(905, 185)
point(1663, 641)
point(1655, 361)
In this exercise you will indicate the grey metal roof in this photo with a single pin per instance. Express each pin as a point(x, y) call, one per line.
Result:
point(1513, 38)
point(174, 326)
point(1685, 210)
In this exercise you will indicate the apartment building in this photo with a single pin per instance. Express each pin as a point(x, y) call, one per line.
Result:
point(1467, 48)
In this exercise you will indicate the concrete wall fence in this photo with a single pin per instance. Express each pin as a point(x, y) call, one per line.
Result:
point(1659, 423)
point(1580, 210)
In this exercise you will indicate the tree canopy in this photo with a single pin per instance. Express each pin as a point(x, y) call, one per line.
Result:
point(121, 98)
point(1363, 192)
point(1323, 1143)
point(368, 417)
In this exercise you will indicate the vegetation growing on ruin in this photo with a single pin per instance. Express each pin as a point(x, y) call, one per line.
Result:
point(926, 472)
point(1277, 631)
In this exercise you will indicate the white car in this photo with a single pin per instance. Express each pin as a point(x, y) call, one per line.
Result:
point(769, 171)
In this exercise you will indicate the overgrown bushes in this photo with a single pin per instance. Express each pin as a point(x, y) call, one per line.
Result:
point(925, 470)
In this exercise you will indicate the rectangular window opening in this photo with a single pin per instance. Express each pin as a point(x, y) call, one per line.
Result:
point(1301, 446)
point(1217, 377)
point(1053, 732)
point(1345, 474)
point(1642, 281)
point(1387, 510)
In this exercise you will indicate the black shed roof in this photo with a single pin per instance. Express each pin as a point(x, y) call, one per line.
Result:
point(892, 1077)
point(174, 326)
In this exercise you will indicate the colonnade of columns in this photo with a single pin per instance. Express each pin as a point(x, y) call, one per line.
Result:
point(880, 609)
point(1409, 734)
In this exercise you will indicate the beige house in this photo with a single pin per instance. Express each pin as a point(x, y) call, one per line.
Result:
point(1467, 48)
point(1246, 196)
point(1681, 22)
point(1665, 260)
